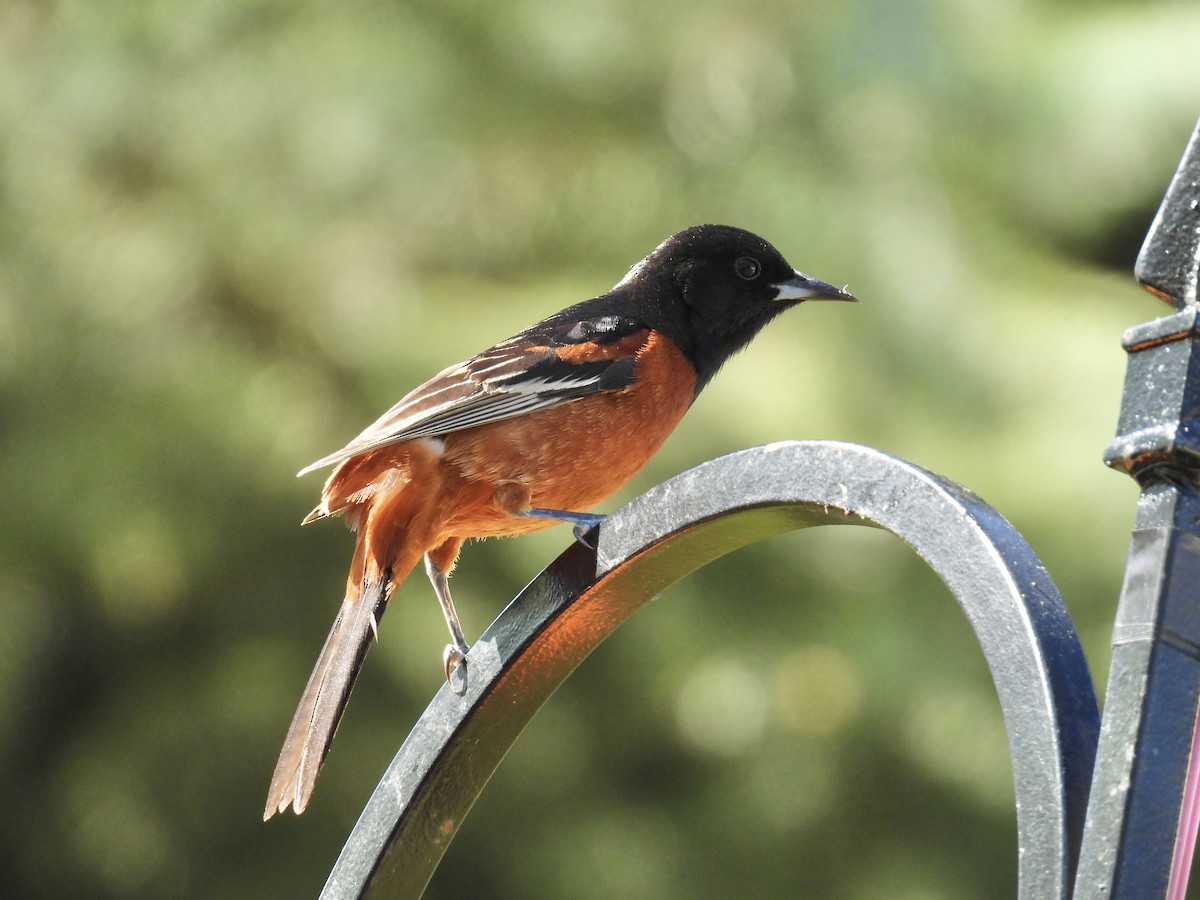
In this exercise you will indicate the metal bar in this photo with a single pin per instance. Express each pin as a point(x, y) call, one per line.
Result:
point(1027, 637)
point(1140, 831)
point(1150, 710)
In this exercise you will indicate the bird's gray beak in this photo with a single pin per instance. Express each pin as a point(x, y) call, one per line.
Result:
point(802, 287)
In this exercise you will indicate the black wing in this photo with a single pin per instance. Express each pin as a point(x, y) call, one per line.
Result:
point(566, 357)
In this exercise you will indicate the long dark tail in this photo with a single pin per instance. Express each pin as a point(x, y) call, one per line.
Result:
point(325, 696)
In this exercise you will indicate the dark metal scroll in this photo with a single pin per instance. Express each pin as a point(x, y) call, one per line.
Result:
point(1023, 628)
point(1141, 823)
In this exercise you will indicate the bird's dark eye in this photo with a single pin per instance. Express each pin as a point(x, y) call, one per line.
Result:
point(747, 268)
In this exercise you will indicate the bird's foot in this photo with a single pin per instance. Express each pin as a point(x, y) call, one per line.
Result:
point(454, 659)
point(583, 526)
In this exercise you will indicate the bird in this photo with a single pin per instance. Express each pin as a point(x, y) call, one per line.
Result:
point(525, 435)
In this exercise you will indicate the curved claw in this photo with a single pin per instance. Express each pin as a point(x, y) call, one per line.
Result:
point(580, 530)
point(454, 659)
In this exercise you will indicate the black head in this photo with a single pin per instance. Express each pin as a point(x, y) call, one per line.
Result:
point(712, 288)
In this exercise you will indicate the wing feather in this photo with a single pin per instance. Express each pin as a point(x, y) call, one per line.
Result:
point(556, 361)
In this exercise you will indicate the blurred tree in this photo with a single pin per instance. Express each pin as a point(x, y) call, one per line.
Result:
point(232, 233)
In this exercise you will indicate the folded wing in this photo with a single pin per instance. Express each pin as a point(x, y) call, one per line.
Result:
point(566, 357)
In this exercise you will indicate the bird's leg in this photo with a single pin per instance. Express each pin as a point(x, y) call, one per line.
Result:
point(454, 656)
point(513, 497)
point(583, 522)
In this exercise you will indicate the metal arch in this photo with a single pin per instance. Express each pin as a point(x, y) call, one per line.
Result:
point(1031, 646)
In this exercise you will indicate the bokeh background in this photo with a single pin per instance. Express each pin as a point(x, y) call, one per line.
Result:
point(234, 231)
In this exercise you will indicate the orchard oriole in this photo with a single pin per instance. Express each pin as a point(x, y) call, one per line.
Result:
point(525, 435)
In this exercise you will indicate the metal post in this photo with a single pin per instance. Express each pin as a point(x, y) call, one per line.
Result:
point(1141, 821)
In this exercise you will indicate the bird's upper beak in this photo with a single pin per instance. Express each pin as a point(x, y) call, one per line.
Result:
point(802, 287)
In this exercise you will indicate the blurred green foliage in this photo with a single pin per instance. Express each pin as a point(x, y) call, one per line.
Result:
point(231, 233)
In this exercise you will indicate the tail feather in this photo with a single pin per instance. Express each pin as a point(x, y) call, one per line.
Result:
point(324, 699)
point(372, 491)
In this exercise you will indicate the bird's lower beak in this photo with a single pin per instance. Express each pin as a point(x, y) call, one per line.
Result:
point(802, 287)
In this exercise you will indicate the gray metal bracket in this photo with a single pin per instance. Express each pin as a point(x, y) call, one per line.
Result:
point(1026, 635)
